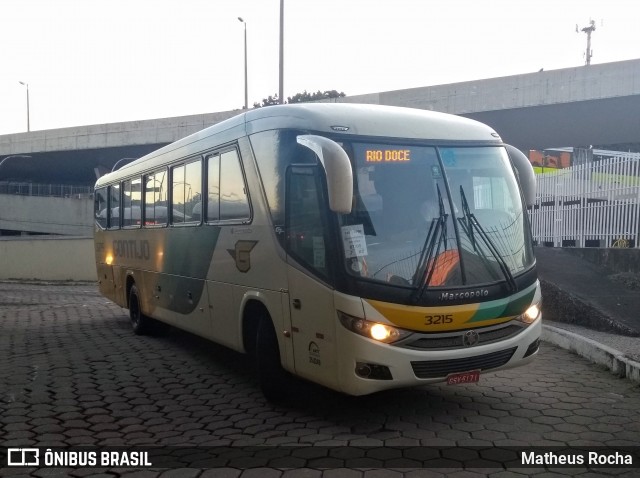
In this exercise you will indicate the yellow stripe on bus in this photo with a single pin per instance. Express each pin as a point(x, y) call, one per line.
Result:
point(433, 319)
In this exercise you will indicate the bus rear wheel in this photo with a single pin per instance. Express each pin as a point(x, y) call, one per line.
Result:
point(274, 380)
point(140, 323)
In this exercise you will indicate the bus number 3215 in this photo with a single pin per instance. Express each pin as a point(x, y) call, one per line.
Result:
point(438, 319)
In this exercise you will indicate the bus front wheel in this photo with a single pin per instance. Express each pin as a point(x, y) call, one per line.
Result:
point(140, 323)
point(273, 378)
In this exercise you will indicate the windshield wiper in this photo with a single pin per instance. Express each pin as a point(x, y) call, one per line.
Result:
point(436, 236)
point(471, 222)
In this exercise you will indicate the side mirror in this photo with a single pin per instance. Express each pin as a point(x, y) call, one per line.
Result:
point(526, 176)
point(337, 167)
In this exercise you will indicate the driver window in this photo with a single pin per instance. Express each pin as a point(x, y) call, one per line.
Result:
point(306, 219)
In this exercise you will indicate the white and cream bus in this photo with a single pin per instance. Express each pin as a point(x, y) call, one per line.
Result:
point(360, 247)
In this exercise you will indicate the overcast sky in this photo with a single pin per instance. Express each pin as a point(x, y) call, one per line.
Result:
point(98, 61)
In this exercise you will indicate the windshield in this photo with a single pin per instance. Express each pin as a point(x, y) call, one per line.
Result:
point(435, 217)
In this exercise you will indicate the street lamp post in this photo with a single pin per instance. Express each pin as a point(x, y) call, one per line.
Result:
point(115, 166)
point(246, 87)
point(13, 156)
point(27, 85)
point(4, 160)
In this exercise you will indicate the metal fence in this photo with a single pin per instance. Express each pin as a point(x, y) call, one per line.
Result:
point(590, 205)
point(54, 190)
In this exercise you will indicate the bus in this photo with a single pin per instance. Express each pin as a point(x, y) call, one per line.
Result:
point(360, 247)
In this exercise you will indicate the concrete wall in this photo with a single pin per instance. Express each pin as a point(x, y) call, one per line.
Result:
point(62, 258)
point(156, 131)
point(49, 215)
point(567, 85)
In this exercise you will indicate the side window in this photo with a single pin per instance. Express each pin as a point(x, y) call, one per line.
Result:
point(226, 188)
point(155, 199)
point(114, 206)
point(100, 207)
point(274, 151)
point(305, 219)
point(234, 203)
point(213, 188)
point(131, 203)
point(186, 193)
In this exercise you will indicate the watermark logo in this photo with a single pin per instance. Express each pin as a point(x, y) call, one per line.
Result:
point(85, 457)
point(23, 457)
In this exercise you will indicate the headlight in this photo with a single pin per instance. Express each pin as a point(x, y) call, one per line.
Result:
point(531, 314)
point(372, 330)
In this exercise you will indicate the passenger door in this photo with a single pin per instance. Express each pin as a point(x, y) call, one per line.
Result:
point(311, 302)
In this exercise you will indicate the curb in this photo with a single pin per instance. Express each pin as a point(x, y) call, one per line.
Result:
point(594, 351)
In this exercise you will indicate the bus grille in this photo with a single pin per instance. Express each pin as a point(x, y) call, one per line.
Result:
point(455, 340)
point(442, 368)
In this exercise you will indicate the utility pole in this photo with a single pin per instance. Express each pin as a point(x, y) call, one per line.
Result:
point(246, 87)
point(588, 30)
point(281, 80)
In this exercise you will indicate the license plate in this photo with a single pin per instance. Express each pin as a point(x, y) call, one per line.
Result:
point(472, 376)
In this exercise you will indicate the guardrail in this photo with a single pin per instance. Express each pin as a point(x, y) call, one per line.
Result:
point(52, 190)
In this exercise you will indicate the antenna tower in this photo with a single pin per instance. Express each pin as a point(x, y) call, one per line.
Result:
point(588, 30)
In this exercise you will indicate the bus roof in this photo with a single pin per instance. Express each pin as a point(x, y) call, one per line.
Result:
point(345, 118)
point(370, 120)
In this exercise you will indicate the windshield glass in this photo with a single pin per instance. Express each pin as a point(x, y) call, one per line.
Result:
point(435, 217)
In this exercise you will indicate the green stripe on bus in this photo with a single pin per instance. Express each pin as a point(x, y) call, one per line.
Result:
point(508, 307)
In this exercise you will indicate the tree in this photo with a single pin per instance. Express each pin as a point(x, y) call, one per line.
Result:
point(303, 97)
point(318, 95)
point(270, 101)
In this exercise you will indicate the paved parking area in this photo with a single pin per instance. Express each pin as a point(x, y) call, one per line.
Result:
point(72, 373)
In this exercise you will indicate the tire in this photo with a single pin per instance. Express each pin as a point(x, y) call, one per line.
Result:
point(140, 323)
point(274, 380)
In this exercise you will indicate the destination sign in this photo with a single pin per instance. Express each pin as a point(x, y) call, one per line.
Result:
point(387, 155)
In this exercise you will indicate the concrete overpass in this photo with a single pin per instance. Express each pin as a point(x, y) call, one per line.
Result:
point(77, 155)
point(596, 105)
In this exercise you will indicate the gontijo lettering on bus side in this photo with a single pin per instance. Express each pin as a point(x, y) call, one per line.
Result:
point(132, 249)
